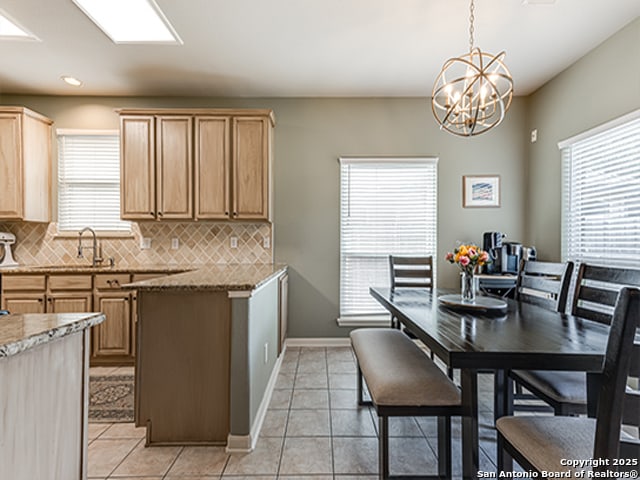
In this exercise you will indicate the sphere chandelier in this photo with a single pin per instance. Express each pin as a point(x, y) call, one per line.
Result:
point(473, 91)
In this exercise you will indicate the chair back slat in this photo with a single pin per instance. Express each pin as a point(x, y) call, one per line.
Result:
point(617, 362)
point(545, 284)
point(631, 408)
point(599, 295)
point(596, 290)
point(411, 272)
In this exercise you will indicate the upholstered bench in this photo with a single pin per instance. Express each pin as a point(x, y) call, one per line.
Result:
point(403, 381)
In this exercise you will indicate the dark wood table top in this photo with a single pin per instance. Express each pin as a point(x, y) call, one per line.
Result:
point(524, 336)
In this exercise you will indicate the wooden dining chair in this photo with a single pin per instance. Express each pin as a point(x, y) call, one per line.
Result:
point(410, 272)
point(540, 443)
point(545, 284)
point(595, 295)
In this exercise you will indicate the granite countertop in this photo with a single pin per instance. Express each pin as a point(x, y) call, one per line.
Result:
point(20, 332)
point(85, 268)
point(236, 277)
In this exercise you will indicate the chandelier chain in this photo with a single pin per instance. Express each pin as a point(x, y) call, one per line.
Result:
point(471, 19)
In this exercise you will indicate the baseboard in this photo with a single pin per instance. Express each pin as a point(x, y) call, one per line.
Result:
point(246, 443)
point(318, 342)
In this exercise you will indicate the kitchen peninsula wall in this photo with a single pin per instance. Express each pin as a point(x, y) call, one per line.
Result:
point(200, 243)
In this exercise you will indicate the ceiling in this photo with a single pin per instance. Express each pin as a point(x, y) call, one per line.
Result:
point(292, 48)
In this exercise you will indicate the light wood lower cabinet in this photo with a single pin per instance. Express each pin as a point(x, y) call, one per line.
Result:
point(112, 341)
point(24, 302)
point(69, 302)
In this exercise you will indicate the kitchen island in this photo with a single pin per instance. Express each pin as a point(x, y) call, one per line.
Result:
point(208, 344)
point(44, 375)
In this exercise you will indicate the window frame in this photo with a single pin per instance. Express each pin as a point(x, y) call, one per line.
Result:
point(102, 233)
point(567, 184)
point(383, 318)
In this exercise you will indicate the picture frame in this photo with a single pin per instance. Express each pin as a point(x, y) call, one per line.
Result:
point(480, 191)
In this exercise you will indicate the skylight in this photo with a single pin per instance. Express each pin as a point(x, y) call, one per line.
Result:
point(10, 29)
point(130, 21)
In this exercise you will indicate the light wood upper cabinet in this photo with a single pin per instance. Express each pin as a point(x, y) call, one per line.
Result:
point(174, 167)
point(25, 165)
point(209, 164)
point(251, 148)
point(213, 167)
point(137, 167)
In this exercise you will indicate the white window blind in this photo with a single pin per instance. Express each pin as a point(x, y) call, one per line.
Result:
point(601, 195)
point(89, 181)
point(387, 207)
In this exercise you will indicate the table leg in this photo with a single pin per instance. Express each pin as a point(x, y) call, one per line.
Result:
point(503, 394)
point(470, 441)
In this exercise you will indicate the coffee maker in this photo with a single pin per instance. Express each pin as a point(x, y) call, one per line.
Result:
point(492, 244)
point(505, 256)
point(510, 257)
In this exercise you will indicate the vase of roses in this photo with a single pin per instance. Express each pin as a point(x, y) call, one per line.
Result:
point(468, 258)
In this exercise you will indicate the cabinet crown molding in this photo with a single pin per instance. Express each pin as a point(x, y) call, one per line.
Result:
point(200, 111)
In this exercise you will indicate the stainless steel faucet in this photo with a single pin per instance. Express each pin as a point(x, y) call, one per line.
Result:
point(97, 250)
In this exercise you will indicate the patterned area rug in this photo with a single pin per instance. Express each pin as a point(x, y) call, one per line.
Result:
point(111, 398)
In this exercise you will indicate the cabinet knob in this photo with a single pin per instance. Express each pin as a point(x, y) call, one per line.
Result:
point(151, 213)
point(40, 300)
point(109, 282)
point(235, 214)
point(116, 283)
point(160, 214)
point(226, 213)
point(126, 299)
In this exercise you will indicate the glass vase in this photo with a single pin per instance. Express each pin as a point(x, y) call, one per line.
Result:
point(468, 287)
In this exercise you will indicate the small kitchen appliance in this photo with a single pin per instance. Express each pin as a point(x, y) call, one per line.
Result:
point(6, 240)
point(492, 244)
point(511, 255)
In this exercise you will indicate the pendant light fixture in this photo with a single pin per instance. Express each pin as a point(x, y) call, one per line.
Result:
point(473, 92)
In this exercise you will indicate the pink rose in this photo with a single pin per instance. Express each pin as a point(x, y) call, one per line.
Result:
point(449, 257)
point(484, 257)
point(472, 252)
point(464, 261)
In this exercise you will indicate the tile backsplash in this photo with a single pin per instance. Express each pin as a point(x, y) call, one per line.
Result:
point(199, 243)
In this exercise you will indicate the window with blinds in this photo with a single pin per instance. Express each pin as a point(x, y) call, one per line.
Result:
point(388, 206)
point(601, 194)
point(89, 181)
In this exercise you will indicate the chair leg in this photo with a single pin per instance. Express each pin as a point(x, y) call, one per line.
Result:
point(360, 399)
point(383, 447)
point(504, 460)
point(444, 447)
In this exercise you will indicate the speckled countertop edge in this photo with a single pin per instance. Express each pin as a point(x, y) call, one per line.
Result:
point(234, 277)
point(53, 269)
point(75, 323)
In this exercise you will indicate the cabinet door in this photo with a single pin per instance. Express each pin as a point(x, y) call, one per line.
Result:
point(212, 168)
point(251, 147)
point(137, 167)
point(112, 338)
point(69, 302)
point(23, 302)
point(10, 166)
point(175, 169)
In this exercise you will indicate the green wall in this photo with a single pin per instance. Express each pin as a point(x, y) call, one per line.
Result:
point(601, 86)
point(310, 135)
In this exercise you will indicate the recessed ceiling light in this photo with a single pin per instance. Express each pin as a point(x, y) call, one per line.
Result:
point(73, 81)
point(130, 21)
point(10, 29)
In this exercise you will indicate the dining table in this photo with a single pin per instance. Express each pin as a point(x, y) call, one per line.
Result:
point(502, 337)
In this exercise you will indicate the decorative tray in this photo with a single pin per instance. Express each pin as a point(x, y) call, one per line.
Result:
point(481, 303)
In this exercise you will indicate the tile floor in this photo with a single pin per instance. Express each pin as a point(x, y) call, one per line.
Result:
point(313, 428)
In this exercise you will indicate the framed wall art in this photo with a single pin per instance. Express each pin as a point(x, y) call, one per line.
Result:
point(480, 191)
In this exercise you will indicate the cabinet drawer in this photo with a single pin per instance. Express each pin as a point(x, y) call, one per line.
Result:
point(111, 281)
point(69, 282)
point(23, 282)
